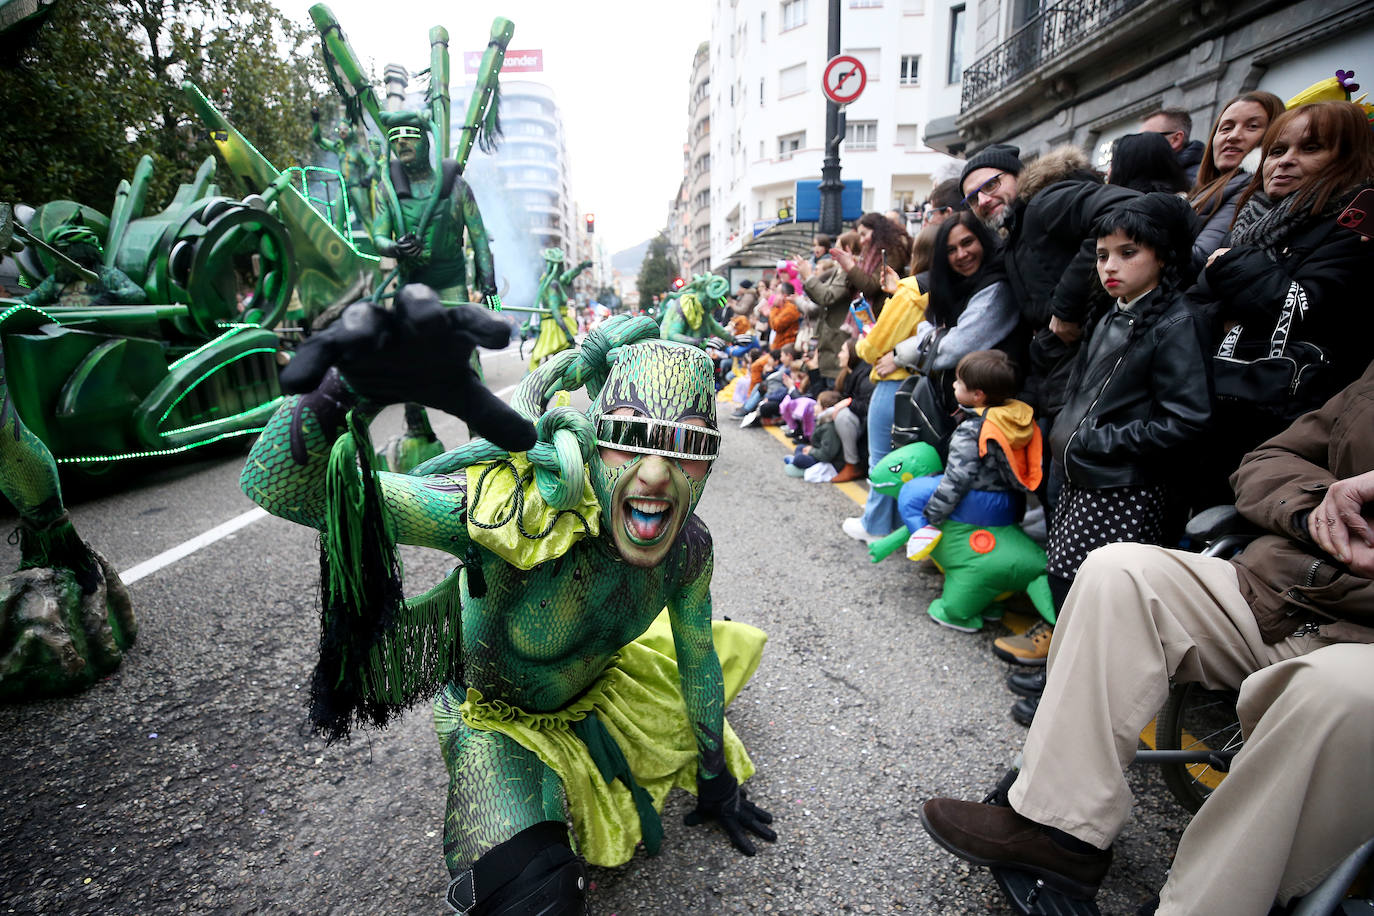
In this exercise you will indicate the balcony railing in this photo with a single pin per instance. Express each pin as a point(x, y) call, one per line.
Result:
point(1047, 35)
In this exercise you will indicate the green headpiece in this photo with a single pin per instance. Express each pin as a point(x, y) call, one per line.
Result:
point(65, 237)
point(405, 125)
point(666, 383)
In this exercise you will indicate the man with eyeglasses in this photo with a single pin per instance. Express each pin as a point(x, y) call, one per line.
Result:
point(989, 183)
point(1177, 126)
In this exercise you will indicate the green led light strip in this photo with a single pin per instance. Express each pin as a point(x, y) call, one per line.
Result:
point(192, 386)
point(158, 453)
point(202, 348)
point(26, 308)
point(275, 402)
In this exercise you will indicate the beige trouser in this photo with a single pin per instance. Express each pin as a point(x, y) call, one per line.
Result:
point(1300, 795)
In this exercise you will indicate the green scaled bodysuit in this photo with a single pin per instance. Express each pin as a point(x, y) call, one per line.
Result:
point(545, 640)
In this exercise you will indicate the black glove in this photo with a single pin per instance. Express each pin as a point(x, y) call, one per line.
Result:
point(408, 245)
point(722, 800)
point(417, 351)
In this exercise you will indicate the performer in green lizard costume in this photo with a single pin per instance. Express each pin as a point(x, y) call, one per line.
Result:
point(65, 617)
point(687, 316)
point(558, 328)
point(356, 164)
point(559, 680)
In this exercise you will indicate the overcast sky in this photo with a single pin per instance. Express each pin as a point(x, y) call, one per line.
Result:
point(619, 69)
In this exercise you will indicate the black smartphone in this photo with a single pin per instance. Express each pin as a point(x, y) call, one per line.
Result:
point(1359, 216)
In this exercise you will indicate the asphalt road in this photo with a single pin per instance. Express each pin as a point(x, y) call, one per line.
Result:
point(188, 781)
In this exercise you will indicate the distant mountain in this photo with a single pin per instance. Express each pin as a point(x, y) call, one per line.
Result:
point(629, 261)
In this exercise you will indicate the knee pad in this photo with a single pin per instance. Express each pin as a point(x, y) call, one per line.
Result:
point(534, 873)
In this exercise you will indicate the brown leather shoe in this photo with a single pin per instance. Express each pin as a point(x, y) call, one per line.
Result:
point(995, 836)
point(847, 473)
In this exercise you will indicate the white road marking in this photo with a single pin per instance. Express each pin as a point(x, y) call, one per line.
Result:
point(219, 532)
point(168, 557)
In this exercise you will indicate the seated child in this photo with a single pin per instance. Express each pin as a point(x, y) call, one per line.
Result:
point(798, 407)
point(997, 448)
point(817, 461)
point(761, 363)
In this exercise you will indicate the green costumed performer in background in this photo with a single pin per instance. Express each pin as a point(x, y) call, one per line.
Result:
point(421, 224)
point(425, 214)
point(356, 165)
point(687, 315)
point(66, 286)
point(557, 328)
point(560, 679)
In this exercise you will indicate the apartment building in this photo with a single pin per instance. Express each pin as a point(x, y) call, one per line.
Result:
point(767, 120)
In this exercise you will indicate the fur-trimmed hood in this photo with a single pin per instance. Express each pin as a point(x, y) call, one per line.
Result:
point(1059, 164)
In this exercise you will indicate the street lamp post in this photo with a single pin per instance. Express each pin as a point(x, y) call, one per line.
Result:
point(831, 186)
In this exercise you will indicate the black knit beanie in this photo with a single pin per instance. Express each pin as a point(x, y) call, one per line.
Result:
point(1002, 156)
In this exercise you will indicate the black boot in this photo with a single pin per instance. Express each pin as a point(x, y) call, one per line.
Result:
point(1023, 710)
point(1027, 683)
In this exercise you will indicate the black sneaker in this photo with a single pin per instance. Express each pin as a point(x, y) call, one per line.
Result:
point(1023, 710)
point(1027, 683)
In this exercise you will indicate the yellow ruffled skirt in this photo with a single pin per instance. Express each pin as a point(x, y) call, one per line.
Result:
point(639, 701)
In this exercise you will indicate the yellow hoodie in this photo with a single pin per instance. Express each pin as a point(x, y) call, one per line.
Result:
point(904, 310)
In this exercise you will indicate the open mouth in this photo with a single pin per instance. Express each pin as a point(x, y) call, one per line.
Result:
point(647, 518)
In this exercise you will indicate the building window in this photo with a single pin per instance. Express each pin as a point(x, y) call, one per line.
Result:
point(790, 143)
point(793, 14)
point(956, 43)
point(911, 70)
point(786, 205)
point(913, 7)
point(865, 4)
point(871, 58)
point(908, 135)
point(861, 135)
point(791, 81)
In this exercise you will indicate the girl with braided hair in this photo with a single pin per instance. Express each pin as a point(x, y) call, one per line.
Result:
point(1141, 398)
point(559, 682)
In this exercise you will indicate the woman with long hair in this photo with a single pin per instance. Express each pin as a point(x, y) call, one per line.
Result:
point(971, 307)
point(1292, 270)
point(881, 242)
point(827, 286)
point(1145, 163)
point(1221, 176)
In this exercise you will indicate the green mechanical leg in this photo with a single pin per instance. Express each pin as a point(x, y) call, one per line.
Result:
point(65, 617)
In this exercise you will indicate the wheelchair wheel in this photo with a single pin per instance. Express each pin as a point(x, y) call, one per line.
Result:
point(1194, 719)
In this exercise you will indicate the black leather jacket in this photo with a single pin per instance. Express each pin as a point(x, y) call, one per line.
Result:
point(1135, 405)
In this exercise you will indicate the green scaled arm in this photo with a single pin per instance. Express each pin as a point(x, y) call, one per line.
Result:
point(689, 611)
point(285, 474)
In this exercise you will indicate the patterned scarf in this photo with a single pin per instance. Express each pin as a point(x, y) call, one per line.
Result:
point(1264, 224)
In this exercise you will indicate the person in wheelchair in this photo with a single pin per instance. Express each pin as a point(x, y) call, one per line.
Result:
point(1289, 621)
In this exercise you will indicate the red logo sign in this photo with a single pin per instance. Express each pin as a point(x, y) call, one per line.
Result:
point(515, 62)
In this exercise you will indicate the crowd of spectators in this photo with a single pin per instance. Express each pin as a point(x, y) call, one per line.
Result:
point(1159, 320)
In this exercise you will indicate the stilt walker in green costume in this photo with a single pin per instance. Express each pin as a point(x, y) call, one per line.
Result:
point(560, 678)
point(557, 328)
